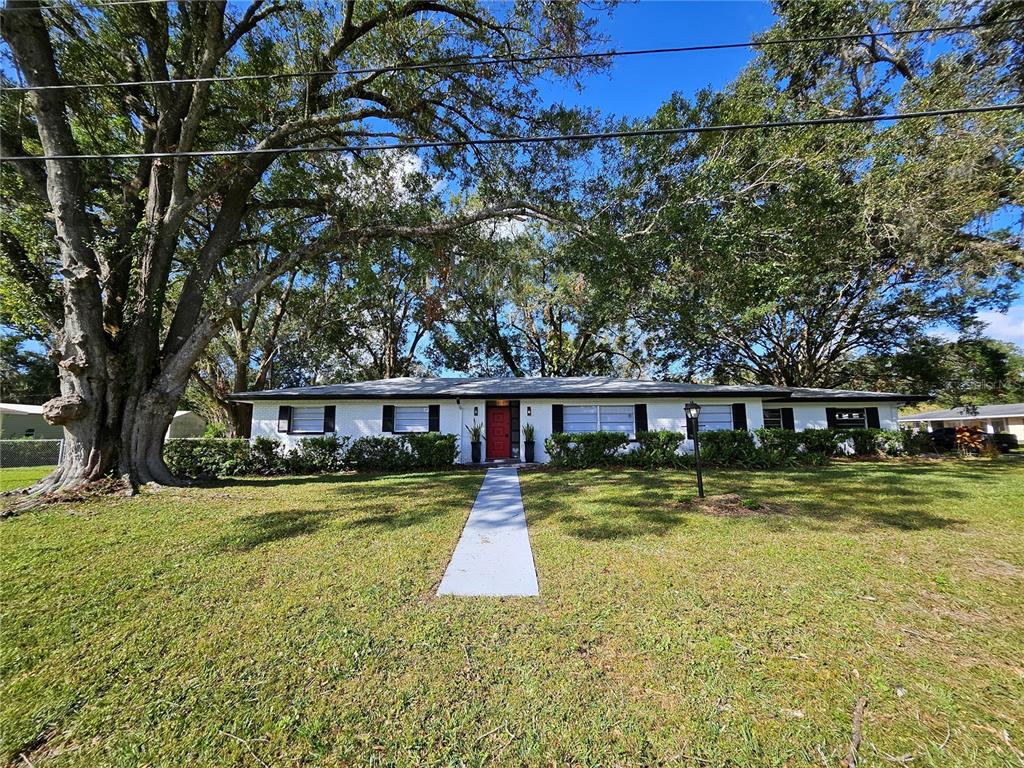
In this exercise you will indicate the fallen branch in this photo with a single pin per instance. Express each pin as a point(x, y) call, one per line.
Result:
point(857, 733)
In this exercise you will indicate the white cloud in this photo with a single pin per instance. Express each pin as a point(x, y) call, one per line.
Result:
point(1001, 326)
point(1005, 327)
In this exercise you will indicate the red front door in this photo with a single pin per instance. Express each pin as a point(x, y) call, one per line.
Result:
point(499, 437)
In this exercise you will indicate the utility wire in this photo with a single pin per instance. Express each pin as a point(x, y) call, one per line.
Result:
point(478, 61)
point(510, 140)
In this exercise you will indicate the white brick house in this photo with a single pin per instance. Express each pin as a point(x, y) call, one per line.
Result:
point(503, 406)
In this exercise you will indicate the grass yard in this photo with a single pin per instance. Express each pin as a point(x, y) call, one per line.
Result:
point(277, 622)
point(12, 478)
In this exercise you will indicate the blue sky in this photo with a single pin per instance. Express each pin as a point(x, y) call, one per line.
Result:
point(637, 85)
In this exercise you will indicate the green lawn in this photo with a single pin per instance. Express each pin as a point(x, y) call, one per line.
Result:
point(292, 622)
point(12, 478)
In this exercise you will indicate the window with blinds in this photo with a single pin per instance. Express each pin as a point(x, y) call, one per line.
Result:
point(853, 418)
point(593, 418)
point(714, 417)
point(773, 418)
point(616, 418)
point(412, 418)
point(308, 418)
point(580, 418)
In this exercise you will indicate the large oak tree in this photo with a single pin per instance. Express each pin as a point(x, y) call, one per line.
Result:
point(125, 258)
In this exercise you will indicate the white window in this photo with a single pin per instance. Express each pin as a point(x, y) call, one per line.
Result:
point(773, 418)
point(617, 418)
point(715, 417)
point(307, 418)
point(580, 418)
point(412, 418)
point(591, 418)
point(851, 418)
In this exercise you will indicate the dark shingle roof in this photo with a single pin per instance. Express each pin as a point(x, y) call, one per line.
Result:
point(569, 387)
point(810, 395)
point(983, 411)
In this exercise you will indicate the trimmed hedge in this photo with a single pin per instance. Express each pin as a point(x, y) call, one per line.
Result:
point(379, 453)
point(318, 454)
point(219, 457)
point(207, 457)
point(728, 447)
point(585, 449)
point(824, 442)
point(659, 448)
point(432, 450)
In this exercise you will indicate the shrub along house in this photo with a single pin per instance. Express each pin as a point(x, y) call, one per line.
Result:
point(502, 407)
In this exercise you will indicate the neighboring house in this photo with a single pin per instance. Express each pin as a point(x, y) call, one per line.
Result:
point(186, 424)
point(585, 404)
point(987, 418)
point(20, 421)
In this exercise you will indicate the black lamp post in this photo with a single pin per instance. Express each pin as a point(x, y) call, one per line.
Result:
point(693, 423)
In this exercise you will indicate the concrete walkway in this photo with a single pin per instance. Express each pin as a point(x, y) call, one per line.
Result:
point(493, 556)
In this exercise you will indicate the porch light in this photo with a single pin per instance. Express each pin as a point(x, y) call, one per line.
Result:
point(692, 411)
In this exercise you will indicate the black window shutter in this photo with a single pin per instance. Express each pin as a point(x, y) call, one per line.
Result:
point(830, 417)
point(640, 417)
point(739, 416)
point(328, 418)
point(787, 419)
point(284, 418)
point(435, 418)
point(873, 422)
point(389, 419)
point(557, 422)
point(513, 419)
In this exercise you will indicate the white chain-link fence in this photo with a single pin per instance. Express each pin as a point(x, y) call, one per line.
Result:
point(30, 453)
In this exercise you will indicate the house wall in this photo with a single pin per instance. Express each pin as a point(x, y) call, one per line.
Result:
point(16, 425)
point(1012, 424)
point(359, 418)
point(1015, 426)
point(812, 415)
point(187, 425)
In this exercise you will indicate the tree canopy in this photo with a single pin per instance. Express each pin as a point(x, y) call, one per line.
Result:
point(814, 256)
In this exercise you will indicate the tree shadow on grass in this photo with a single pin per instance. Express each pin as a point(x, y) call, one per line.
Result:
point(609, 504)
point(393, 518)
point(627, 521)
point(347, 478)
point(253, 531)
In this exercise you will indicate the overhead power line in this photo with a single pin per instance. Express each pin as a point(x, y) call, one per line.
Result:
point(480, 61)
point(511, 140)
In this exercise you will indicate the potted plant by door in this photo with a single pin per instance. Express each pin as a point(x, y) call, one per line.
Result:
point(475, 435)
point(528, 435)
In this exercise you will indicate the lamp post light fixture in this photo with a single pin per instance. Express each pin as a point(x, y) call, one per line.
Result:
point(692, 411)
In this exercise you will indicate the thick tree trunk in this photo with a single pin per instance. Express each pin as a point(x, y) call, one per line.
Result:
point(108, 433)
point(239, 419)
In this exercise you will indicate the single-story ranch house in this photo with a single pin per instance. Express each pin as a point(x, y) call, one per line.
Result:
point(1008, 417)
point(503, 406)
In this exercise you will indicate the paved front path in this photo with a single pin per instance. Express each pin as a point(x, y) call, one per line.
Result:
point(493, 556)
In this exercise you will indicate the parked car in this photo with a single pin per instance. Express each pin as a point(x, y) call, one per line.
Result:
point(1006, 441)
point(944, 439)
